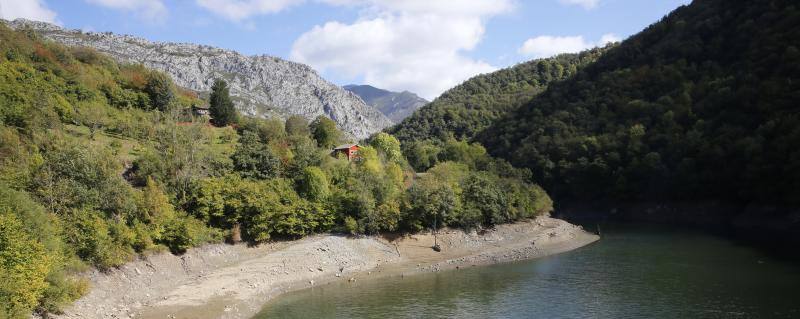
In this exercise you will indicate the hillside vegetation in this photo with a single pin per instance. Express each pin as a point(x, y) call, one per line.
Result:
point(700, 105)
point(101, 162)
point(467, 109)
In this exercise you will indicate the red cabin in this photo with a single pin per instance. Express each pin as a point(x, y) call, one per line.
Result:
point(348, 150)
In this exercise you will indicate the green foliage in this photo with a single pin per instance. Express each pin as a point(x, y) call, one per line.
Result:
point(389, 146)
point(460, 151)
point(467, 109)
point(157, 222)
point(23, 268)
point(452, 194)
point(253, 159)
point(325, 132)
point(422, 155)
point(431, 202)
point(104, 243)
point(672, 113)
point(75, 176)
point(314, 184)
point(40, 229)
point(268, 129)
point(220, 104)
point(97, 166)
point(351, 226)
point(182, 155)
point(297, 125)
point(482, 195)
point(62, 194)
point(303, 153)
point(263, 208)
point(159, 89)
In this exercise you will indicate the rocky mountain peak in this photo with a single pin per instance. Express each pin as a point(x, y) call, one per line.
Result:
point(395, 105)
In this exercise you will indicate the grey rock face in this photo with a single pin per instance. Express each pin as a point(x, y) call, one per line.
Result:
point(260, 85)
point(395, 105)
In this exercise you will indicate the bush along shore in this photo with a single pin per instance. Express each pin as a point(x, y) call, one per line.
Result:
point(234, 281)
point(102, 163)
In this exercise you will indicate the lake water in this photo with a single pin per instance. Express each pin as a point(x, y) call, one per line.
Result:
point(635, 271)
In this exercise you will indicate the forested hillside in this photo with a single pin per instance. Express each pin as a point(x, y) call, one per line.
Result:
point(472, 106)
point(101, 162)
point(701, 105)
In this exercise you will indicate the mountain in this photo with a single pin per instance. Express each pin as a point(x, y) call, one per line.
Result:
point(470, 107)
point(102, 162)
point(395, 105)
point(701, 105)
point(261, 85)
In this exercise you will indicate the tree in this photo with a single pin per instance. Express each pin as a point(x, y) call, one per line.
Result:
point(431, 202)
point(461, 151)
point(325, 132)
point(94, 117)
point(254, 159)
point(314, 184)
point(389, 146)
point(304, 153)
point(224, 202)
point(483, 196)
point(159, 89)
point(221, 107)
point(423, 155)
point(296, 125)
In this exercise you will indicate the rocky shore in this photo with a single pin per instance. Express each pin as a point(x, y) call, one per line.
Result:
point(234, 281)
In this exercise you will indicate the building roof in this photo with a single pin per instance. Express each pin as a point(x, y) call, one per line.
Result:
point(345, 146)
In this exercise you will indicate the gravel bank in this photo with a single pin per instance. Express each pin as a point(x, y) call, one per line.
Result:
point(225, 281)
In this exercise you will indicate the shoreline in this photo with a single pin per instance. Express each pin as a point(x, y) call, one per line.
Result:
point(235, 281)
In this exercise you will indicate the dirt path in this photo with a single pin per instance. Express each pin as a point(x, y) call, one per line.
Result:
point(224, 281)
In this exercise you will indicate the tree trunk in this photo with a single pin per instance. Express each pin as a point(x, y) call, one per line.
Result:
point(435, 233)
point(236, 233)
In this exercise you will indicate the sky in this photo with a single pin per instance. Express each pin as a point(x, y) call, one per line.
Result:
point(423, 46)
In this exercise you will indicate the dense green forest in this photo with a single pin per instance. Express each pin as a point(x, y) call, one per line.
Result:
point(469, 108)
point(101, 162)
point(700, 105)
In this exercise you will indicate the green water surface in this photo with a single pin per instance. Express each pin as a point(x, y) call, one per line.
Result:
point(635, 271)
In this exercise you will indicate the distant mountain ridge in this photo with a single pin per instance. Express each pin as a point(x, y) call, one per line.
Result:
point(395, 105)
point(261, 85)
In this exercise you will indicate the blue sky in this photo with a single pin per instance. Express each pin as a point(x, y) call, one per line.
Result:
point(424, 46)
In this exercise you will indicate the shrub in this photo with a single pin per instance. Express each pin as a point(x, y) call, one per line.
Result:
point(24, 266)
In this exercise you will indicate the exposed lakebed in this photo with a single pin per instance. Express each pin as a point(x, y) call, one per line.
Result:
point(635, 271)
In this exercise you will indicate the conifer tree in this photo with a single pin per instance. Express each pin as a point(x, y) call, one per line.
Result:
point(221, 106)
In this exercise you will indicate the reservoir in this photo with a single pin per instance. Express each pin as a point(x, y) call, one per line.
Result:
point(634, 271)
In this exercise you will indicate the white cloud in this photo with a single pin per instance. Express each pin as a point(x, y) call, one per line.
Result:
point(586, 4)
point(415, 45)
point(238, 10)
point(546, 46)
point(28, 9)
point(608, 38)
point(148, 10)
